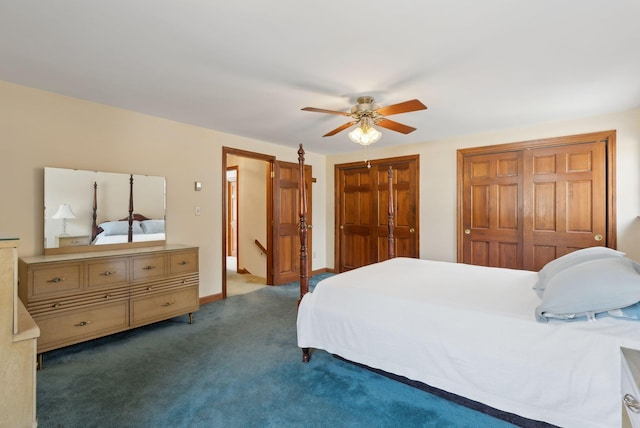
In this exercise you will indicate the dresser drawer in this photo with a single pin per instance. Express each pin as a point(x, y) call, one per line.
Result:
point(107, 273)
point(164, 305)
point(148, 267)
point(183, 262)
point(79, 325)
point(77, 301)
point(56, 279)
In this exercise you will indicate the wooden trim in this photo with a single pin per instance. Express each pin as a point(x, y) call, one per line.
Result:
point(390, 238)
point(211, 298)
point(378, 162)
point(612, 232)
point(229, 208)
point(537, 144)
point(269, 225)
point(241, 153)
point(322, 270)
point(607, 136)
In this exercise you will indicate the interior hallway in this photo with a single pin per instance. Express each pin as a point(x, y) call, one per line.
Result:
point(241, 283)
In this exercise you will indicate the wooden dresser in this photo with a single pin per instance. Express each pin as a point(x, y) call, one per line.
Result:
point(82, 296)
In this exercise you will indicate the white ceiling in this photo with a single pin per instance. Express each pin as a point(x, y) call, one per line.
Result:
point(248, 67)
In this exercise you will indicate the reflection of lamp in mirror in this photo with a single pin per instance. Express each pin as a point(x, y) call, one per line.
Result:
point(64, 212)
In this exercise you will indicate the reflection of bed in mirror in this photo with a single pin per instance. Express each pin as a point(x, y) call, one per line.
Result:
point(102, 198)
point(116, 232)
point(134, 228)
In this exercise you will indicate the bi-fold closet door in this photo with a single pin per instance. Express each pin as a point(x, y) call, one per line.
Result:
point(525, 204)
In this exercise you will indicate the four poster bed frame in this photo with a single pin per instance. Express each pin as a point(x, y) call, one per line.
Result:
point(304, 259)
point(468, 333)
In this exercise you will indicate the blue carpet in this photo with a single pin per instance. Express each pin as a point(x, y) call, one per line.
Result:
point(237, 365)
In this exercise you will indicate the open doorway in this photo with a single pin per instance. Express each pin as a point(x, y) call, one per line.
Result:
point(239, 279)
point(247, 236)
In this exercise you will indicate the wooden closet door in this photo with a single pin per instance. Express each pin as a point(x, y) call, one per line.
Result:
point(362, 211)
point(492, 201)
point(525, 204)
point(405, 210)
point(286, 242)
point(355, 218)
point(566, 188)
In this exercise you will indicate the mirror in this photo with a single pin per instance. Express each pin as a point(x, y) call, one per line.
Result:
point(72, 198)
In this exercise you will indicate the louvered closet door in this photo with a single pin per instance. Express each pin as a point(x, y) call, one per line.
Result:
point(492, 198)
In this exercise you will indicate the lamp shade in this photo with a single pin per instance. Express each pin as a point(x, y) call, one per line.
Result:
point(365, 133)
point(64, 211)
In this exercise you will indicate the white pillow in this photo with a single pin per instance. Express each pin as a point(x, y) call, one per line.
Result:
point(568, 260)
point(120, 227)
point(589, 288)
point(152, 226)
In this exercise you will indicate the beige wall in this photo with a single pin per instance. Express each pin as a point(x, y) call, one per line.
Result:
point(39, 129)
point(438, 178)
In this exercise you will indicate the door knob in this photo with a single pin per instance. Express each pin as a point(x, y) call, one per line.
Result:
point(412, 230)
point(341, 226)
point(598, 237)
point(467, 231)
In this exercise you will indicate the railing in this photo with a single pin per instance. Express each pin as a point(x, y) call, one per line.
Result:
point(263, 250)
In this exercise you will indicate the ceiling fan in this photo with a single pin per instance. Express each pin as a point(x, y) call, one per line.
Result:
point(367, 114)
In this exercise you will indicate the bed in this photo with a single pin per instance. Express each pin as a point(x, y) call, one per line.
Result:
point(135, 227)
point(500, 337)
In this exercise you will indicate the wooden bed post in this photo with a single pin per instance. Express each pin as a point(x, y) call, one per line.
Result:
point(304, 259)
point(94, 225)
point(130, 234)
point(391, 239)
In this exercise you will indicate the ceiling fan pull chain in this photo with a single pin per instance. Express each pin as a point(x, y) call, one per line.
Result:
point(366, 156)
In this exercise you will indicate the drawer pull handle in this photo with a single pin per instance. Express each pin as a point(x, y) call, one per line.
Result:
point(148, 267)
point(149, 288)
point(631, 403)
point(83, 323)
point(182, 263)
point(107, 273)
point(184, 281)
point(108, 296)
point(56, 305)
point(168, 304)
point(57, 279)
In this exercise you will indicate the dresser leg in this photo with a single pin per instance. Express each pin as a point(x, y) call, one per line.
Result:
point(190, 317)
point(39, 365)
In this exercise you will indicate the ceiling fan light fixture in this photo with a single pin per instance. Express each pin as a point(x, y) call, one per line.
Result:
point(365, 134)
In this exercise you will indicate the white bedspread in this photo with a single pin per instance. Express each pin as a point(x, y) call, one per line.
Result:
point(102, 239)
point(471, 330)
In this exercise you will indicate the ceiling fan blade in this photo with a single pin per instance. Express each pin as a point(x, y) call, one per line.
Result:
point(394, 126)
point(404, 107)
point(339, 128)
point(321, 110)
